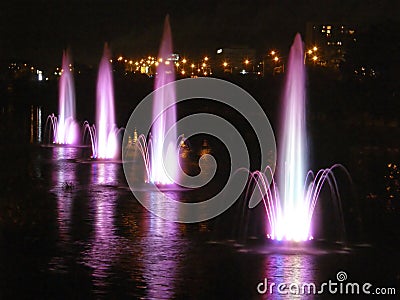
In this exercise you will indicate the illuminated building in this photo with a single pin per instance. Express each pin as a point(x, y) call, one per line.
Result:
point(327, 43)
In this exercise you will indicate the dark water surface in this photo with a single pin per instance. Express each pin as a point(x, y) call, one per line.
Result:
point(73, 230)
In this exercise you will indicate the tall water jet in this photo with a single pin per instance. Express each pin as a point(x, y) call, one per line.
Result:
point(67, 130)
point(291, 200)
point(293, 147)
point(105, 144)
point(164, 157)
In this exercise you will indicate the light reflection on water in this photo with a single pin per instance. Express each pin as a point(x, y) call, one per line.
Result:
point(150, 252)
point(102, 247)
point(64, 182)
point(155, 245)
point(122, 249)
point(162, 253)
point(288, 269)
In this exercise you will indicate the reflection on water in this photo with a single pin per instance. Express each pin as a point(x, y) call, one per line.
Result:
point(64, 180)
point(288, 269)
point(109, 245)
point(162, 253)
point(103, 246)
point(151, 256)
point(90, 199)
point(35, 130)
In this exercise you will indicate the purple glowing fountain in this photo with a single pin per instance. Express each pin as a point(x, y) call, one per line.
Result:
point(163, 154)
point(290, 203)
point(65, 128)
point(104, 134)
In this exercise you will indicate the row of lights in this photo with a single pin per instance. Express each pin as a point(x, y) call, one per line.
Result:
point(196, 68)
point(199, 67)
point(25, 67)
point(143, 65)
point(312, 53)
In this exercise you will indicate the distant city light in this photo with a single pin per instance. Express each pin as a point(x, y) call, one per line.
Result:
point(40, 75)
point(236, 62)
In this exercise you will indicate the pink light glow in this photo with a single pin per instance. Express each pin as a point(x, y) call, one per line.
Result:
point(163, 153)
point(67, 129)
point(290, 202)
point(292, 163)
point(105, 141)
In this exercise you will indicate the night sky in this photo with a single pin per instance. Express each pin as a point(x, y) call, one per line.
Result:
point(37, 31)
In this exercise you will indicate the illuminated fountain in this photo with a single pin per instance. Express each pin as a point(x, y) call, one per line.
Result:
point(65, 129)
point(161, 152)
point(147, 152)
point(104, 135)
point(290, 201)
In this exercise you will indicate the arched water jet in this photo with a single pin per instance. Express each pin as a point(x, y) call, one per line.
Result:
point(290, 200)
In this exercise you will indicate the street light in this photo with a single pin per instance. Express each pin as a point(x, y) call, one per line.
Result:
point(225, 64)
point(246, 61)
